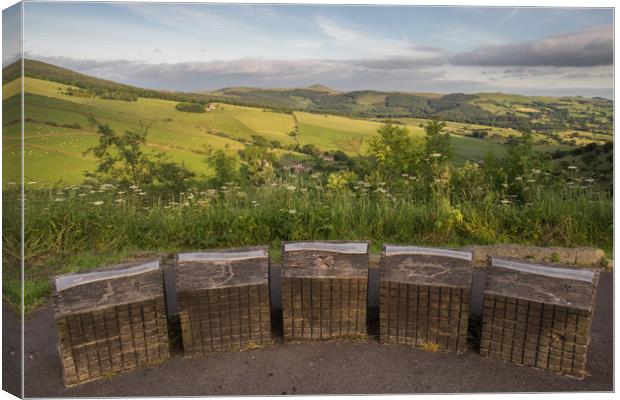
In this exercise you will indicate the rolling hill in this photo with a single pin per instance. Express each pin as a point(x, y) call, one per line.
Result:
point(59, 102)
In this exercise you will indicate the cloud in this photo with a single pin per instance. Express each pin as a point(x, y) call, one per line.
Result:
point(337, 31)
point(422, 58)
point(247, 67)
point(586, 48)
point(381, 73)
point(382, 50)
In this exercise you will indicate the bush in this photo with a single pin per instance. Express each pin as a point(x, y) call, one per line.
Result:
point(191, 107)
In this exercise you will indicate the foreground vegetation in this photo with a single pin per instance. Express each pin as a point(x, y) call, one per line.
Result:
point(112, 170)
point(402, 192)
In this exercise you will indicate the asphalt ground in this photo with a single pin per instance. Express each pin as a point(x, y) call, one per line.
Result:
point(333, 367)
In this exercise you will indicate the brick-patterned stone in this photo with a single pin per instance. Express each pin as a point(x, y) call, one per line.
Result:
point(424, 297)
point(324, 289)
point(223, 300)
point(538, 315)
point(110, 320)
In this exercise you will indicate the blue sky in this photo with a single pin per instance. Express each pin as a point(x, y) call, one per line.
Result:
point(552, 51)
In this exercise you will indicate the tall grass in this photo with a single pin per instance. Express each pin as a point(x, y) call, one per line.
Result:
point(74, 220)
point(79, 227)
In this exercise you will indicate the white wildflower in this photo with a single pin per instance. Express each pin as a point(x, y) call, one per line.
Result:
point(573, 167)
point(292, 211)
point(97, 203)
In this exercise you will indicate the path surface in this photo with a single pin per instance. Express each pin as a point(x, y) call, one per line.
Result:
point(323, 368)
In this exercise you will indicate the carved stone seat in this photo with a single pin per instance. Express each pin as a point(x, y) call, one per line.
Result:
point(324, 289)
point(538, 315)
point(110, 320)
point(424, 297)
point(223, 299)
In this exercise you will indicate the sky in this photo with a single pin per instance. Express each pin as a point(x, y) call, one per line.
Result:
point(195, 47)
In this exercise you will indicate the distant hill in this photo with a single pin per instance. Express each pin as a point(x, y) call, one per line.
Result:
point(322, 88)
point(547, 115)
point(61, 103)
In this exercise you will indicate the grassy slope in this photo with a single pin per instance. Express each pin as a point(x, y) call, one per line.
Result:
point(180, 135)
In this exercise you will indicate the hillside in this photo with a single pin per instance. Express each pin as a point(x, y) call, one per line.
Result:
point(556, 117)
point(59, 103)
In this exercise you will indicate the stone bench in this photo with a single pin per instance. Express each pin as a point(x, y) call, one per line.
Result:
point(538, 315)
point(110, 320)
point(223, 299)
point(324, 289)
point(424, 297)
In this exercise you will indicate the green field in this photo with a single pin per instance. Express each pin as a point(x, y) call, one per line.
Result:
point(400, 194)
point(57, 131)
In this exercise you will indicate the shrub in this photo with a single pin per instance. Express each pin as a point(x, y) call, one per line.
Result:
point(191, 107)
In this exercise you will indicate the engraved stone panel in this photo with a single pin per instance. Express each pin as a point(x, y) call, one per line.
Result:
point(324, 289)
point(223, 299)
point(110, 320)
point(424, 297)
point(538, 315)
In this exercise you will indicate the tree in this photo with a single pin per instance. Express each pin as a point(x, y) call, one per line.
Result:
point(224, 166)
point(171, 175)
point(310, 149)
point(516, 167)
point(191, 107)
point(259, 162)
point(123, 160)
point(437, 141)
point(393, 151)
point(121, 157)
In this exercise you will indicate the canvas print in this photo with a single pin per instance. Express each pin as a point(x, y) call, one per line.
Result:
point(214, 199)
